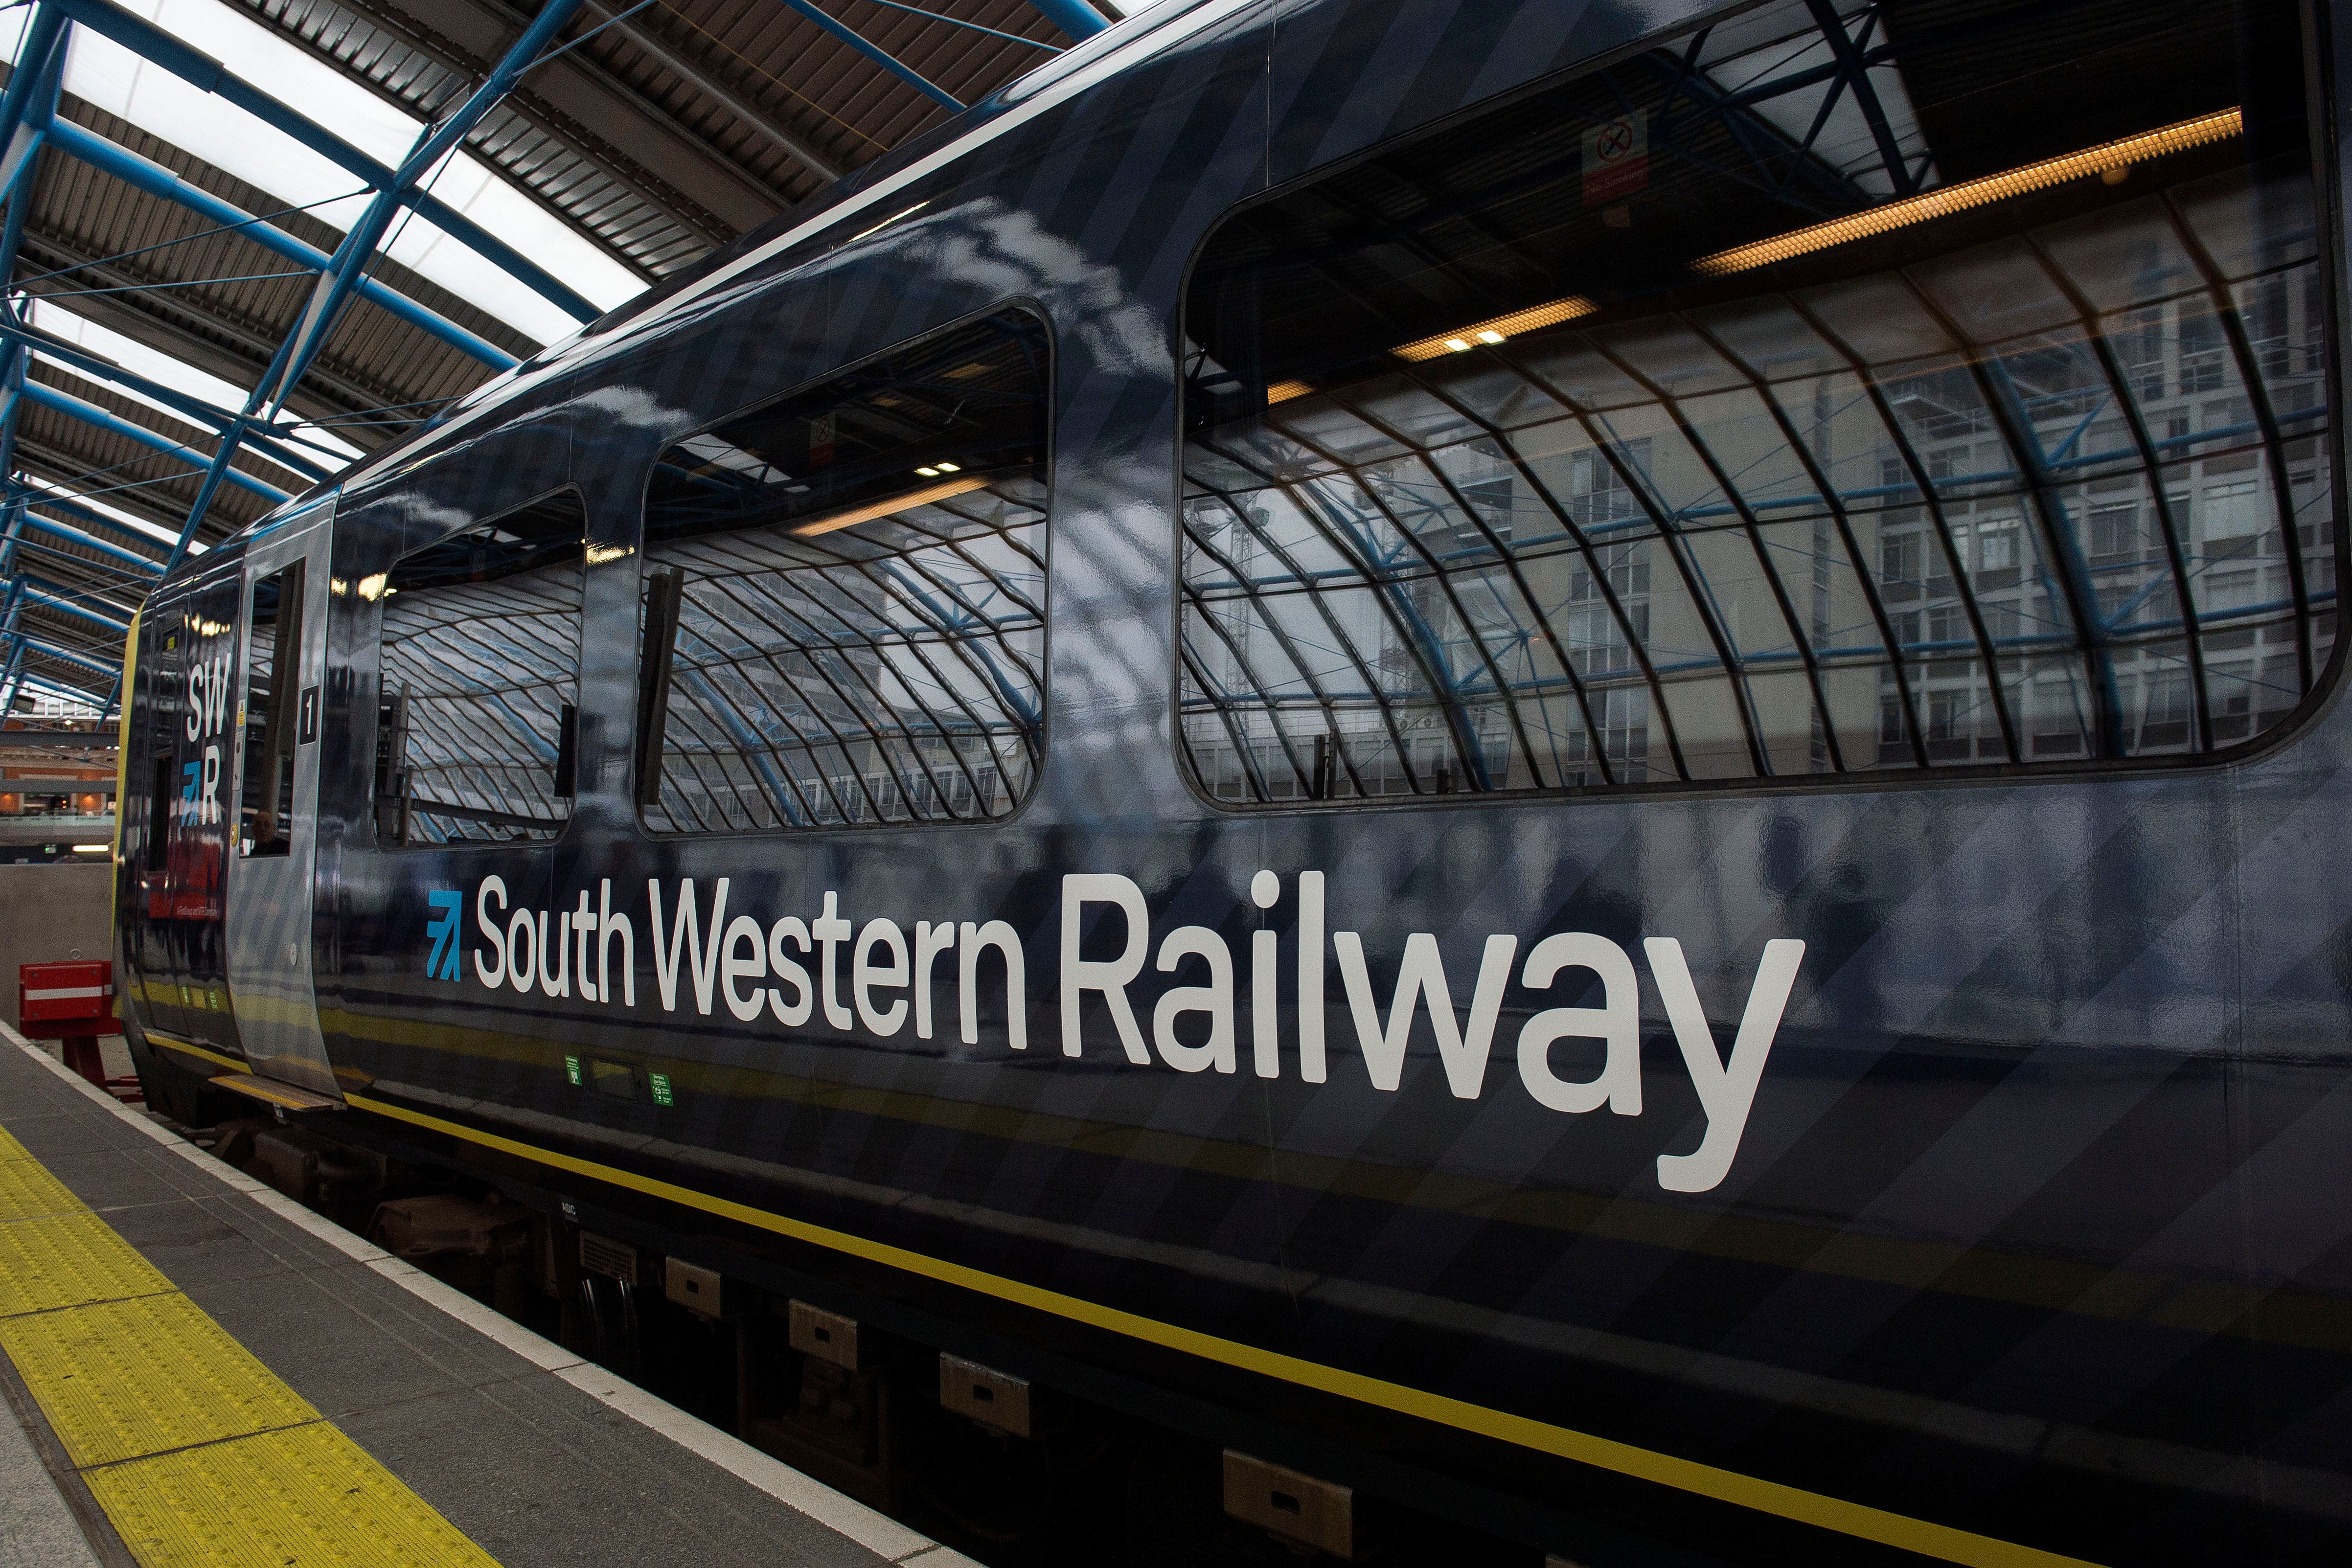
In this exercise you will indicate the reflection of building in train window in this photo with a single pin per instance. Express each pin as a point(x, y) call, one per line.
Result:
point(477, 724)
point(1488, 492)
point(845, 597)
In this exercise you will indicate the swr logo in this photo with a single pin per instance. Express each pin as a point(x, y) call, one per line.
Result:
point(441, 964)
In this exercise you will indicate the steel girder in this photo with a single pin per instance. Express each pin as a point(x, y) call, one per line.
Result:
point(28, 123)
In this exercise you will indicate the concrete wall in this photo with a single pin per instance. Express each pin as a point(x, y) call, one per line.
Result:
point(46, 912)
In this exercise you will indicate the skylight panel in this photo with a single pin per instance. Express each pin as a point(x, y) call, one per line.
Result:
point(110, 78)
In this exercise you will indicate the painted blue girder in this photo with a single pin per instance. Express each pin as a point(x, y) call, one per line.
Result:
point(152, 44)
point(280, 447)
point(91, 414)
point(157, 180)
point(144, 565)
point(879, 56)
point(51, 651)
point(50, 596)
point(1076, 17)
point(346, 273)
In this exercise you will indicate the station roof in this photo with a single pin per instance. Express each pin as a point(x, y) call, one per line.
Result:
point(202, 167)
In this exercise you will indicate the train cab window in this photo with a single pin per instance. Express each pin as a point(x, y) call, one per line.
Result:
point(477, 725)
point(844, 597)
point(1719, 416)
point(273, 647)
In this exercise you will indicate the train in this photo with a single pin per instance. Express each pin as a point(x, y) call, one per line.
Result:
point(1533, 782)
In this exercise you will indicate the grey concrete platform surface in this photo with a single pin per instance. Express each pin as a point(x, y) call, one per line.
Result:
point(37, 1529)
point(539, 1458)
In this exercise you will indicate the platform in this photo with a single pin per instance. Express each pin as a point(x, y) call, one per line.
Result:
point(202, 1372)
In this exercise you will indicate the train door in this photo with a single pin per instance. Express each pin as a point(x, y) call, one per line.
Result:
point(195, 771)
point(282, 621)
point(148, 805)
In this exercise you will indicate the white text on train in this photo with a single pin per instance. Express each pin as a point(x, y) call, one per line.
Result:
point(704, 959)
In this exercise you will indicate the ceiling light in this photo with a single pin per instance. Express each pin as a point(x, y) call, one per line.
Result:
point(928, 472)
point(1496, 329)
point(2100, 159)
point(92, 849)
point(867, 513)
point(951, 467)
point(1282, 392)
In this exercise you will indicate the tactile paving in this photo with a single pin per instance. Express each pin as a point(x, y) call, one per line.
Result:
point(27, 1191)
point(65, 1260)
point(119, 1379)
point(308, 1495)
point(199, 1454)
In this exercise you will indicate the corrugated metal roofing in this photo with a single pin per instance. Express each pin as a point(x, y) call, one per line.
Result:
point(661, 134)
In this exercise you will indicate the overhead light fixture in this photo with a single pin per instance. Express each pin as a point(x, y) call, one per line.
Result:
point(951, 467)
point(92, 849)
point(2102, 159)
point(850, 518)
point(928, 472)
point(1282, 392)
point(1496, 329)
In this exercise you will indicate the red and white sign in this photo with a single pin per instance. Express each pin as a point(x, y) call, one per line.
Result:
point(1616, 159)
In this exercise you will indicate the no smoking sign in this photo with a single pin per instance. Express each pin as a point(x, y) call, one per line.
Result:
point(1616, 159)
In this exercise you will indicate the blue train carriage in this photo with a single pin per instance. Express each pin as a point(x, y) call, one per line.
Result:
point(1558, 773)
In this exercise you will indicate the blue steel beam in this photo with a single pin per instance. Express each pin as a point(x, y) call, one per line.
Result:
point(71, 508)
point(157, 180)
point(89, 413)
point(67, 655)
point(25, 111)
point(35, 523)
point(12, 612)
point(152, 44)
point(346, 272)
point(48, 598)
point(277, 446)
point(1076, 17)
point(115, 615)
point(27, 681)
point(874, 52)
point(29, 105)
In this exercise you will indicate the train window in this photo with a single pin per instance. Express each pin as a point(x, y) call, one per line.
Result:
point(1742, 411)
point(480, 642)
point(273, 643)
point(843, 609)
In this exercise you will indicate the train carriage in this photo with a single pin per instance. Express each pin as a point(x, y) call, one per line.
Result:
point(1520, 779)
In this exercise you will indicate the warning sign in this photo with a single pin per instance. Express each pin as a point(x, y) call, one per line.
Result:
point(1616, 159)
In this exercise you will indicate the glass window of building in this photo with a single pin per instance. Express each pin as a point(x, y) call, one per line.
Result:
point(477, 728)
point(1745, 411)
point(844, 611)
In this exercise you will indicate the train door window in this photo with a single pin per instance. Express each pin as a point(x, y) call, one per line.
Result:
point(480, 657)
point(1714, 417)
point(161, 674)
point(273, 646)
point(844, 611)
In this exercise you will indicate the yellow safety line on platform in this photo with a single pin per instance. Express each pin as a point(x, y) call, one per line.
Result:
point(1916, 1535)
point(199, 1454)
